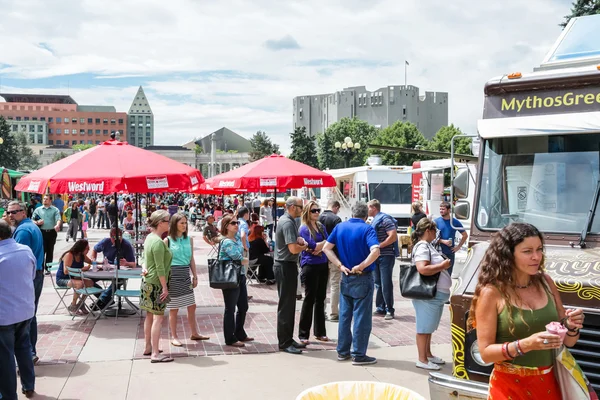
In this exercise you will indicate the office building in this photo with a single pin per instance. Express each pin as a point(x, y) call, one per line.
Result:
point(140, 121)
point(59, 120)
point(381, 108)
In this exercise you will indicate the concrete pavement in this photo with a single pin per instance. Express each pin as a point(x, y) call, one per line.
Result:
point(249, 377)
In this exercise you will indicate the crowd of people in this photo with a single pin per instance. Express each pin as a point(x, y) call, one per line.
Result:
point(313, 248)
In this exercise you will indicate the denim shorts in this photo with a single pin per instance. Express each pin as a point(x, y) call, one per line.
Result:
point(429, 312)
point(62, 282)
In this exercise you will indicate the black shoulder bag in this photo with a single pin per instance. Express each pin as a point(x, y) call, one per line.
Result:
point(224, 274)
point(414, 285)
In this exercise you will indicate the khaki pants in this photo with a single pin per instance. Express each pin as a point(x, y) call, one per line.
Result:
point(335, 276)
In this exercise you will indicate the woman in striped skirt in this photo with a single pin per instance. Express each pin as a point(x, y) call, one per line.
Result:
point(181, 287)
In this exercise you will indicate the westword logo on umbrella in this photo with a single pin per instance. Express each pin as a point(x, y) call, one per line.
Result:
point(84, 187)
point(308, 181)
point(226, 184)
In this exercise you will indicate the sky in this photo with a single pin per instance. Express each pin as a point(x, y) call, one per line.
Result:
point(206, 64)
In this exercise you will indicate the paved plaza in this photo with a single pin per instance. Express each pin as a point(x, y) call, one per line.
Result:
point(103, 359)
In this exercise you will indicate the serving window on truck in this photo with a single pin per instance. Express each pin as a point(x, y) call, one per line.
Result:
point(547, 181)
point(391, 193)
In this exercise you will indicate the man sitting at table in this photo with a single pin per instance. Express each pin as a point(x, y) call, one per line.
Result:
point(108, 248)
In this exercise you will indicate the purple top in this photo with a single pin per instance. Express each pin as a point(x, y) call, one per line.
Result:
point(306, 257)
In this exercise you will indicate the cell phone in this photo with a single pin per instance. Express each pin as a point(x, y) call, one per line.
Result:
point(445, 257)
point(36, 218)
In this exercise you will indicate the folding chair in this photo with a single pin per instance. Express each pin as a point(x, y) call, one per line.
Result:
point(126, 294)
point(214, 251)
point(252, 271)
point(86, 292)
point(61, 291)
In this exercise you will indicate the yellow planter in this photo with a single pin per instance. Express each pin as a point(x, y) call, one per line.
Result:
point(358, 391)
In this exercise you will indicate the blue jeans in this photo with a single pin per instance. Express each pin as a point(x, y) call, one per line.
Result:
point(38, 285)
point(356, 302)
point(15, 343)
point(384, 298)
point(233, 323)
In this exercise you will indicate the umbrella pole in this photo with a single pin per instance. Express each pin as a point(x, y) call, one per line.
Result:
point(274, 212)
point(137, 224)
point(117, 241)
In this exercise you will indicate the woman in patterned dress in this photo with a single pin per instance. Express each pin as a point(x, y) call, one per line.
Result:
point(155, 286)
point(181, 286)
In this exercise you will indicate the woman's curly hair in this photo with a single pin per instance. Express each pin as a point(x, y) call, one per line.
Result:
point(498, 266)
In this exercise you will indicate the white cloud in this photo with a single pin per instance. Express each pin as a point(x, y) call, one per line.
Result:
point(169, 46)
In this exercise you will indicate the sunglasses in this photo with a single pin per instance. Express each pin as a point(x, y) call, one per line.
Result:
point(233, 223)
point(315, 210)
point(298, 205)
point(13, 212)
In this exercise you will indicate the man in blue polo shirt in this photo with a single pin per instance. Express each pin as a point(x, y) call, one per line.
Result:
point(108, 248)
point(358, 249)
point(29, 234)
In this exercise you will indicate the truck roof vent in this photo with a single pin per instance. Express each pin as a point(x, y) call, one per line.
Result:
point(374, 160)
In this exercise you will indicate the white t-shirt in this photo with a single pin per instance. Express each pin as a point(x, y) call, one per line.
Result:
point(424, 251)
point(100, 205)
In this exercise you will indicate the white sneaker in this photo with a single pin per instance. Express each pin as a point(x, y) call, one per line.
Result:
point(436, 360)
point(429, 366)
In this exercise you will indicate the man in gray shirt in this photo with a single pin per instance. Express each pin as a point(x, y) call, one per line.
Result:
point(288, 247)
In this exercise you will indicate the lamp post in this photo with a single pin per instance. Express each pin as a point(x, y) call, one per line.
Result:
point(347, 148)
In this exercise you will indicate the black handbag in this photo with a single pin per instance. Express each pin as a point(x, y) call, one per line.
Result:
point(224, 274)
point(414, 285)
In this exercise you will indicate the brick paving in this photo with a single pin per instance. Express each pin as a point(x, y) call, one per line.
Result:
point(62, 340)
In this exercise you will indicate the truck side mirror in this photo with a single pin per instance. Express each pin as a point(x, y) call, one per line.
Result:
point(461, 184)
point(462, 210)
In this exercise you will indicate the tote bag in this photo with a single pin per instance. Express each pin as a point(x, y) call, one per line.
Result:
point(414, 285)
point(571, 379)
point(224, 274)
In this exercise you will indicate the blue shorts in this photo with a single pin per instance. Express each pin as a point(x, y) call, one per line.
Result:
point(429, 312)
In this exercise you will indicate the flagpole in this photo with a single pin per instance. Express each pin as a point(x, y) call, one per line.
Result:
point(405, 73)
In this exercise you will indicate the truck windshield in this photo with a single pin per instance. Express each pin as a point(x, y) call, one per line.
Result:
point(391, 193)
point(547, 181)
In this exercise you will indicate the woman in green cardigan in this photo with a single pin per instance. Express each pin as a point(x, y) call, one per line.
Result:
point(155, 287)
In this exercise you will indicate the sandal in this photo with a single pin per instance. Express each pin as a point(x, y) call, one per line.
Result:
point(199, 337)
point(149, 353)
point(163, 359)
point(304, 341)
point(322, 338)
point(176, 343)
point(237, 344)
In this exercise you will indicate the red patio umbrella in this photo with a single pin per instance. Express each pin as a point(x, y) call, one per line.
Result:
point(112, 167)
point(274, 172)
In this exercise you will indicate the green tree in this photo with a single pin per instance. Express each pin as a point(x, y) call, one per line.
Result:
point(262, 146)
point(358, 131)
point(441, 141)
point(81, 147)
point(59, 156)
point(9, 154)
point(400, 134)
point(581, 8)
point(198, 149)
point(27, 160)
point(325, 156)
point(303, 148)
